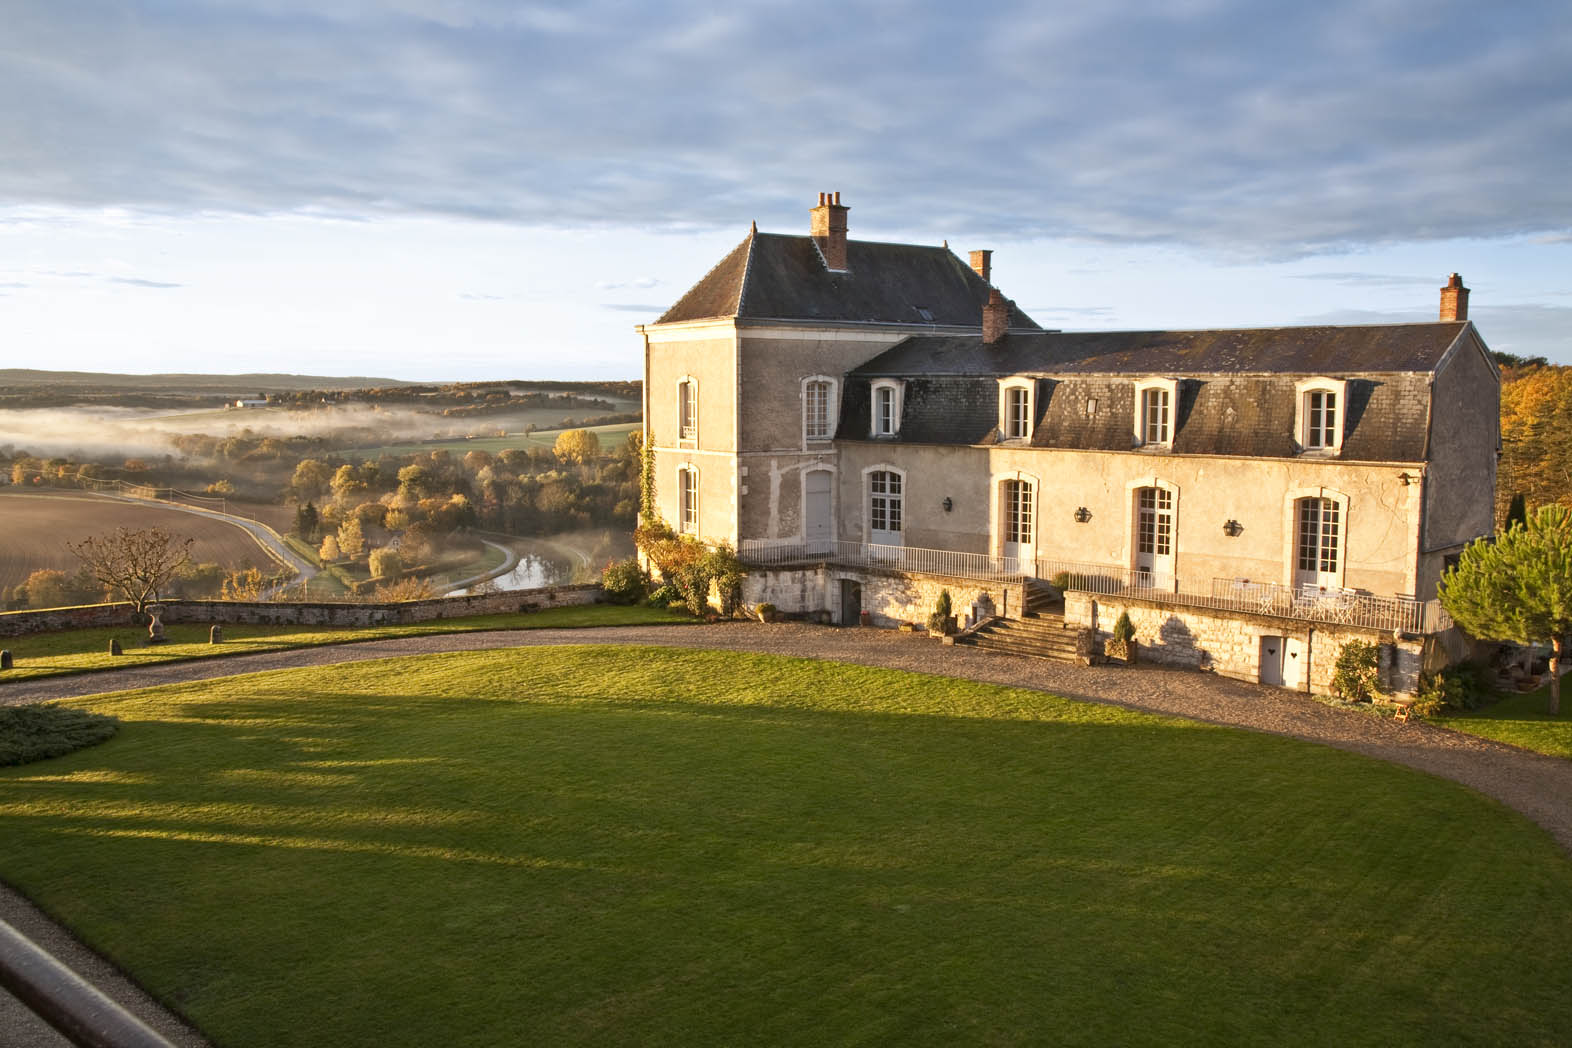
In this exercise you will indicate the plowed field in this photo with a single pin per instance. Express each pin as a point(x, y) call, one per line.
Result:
point(35, 527)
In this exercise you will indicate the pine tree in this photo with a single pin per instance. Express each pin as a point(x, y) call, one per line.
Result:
point(1518, 587)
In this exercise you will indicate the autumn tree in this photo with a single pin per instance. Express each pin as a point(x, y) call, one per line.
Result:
point(385, 563)
point(1518, 587)
point(578, 446)
point(1536, 438)
point(247, 584)
point(351, 541)
point(47, 588)
point(136, 565)
point(329, 550)
point(310, 478)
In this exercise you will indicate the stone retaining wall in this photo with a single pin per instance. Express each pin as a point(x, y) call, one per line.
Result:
point(298, 613)
point(890, 597)
point(1229, 643)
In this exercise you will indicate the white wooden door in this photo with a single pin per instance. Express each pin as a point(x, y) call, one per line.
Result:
point(816, 506)
point(1154, 536)
point(1319, 543)
point(1019, 519)
point(1272, 661)
point(1293, 662)
point(885, 504)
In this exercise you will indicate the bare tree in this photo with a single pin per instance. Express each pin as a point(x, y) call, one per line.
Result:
point(134, 564)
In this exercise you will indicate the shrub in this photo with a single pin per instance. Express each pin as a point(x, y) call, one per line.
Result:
point(35, 733)
point(385, 562)
point(404, 589)
point(1124, 629)
point(765, 611)
point(1458, 687)
point(1060, 581)
point(940, 619)
point(624, 581)
point(1356, 676)
point(663, 596)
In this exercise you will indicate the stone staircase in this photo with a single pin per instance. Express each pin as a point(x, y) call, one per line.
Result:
point(1039, 632)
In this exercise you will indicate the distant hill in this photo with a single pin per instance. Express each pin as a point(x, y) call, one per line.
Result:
point(95, 382)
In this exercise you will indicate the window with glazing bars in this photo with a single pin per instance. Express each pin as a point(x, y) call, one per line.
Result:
point(688, 484)
point(1018, 512)
point(687, 410)
point(1155, 522)
point(1318, 535)
point(1154, 416)
point(816, 411)
point(1321, 419)
point(884, 500)
point(1017, 412)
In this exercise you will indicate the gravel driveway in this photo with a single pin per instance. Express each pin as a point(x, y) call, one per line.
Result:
point(1538, 786)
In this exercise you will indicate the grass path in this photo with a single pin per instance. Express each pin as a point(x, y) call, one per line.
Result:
point(633, 845)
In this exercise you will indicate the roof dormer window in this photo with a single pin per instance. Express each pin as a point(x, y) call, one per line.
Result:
point(1320, 406)
point(1017, 408)
point(1155, 401)
point(886, 407)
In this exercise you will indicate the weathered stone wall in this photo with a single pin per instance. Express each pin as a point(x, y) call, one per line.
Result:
point(890, 598)
point(228, 612)
point(1230, 643)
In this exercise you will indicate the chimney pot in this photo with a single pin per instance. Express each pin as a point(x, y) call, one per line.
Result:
point(1454, 300)
point(828, 229)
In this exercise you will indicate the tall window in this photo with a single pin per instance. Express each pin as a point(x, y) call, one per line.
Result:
point(1319, 527)
point(1320, 419)
point(1017, 513)
point(687, 409)
point(1154, 416)
point(884, 411)
point(816, 409)
point(884, 503)
point(1154, 526)
point(688, 495)
point(1017, 412)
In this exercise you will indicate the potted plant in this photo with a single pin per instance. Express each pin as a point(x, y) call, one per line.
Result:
point(941, 623)
point(766, 612)
point(1121, 647)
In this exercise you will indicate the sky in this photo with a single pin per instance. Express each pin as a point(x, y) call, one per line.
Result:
point(466, 190)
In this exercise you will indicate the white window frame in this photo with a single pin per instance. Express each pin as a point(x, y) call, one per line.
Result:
point(1132, 510)
point(868, 496)
point(1169, 386)
point(998, 522)
point(895, 387)
point(831, 409)
point(688, 499)
point(1012, 426)
point(1291, 501)
point(687, 420)
point(1304, 389)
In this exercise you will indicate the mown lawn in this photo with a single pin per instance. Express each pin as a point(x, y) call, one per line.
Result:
point(642, 846)
point(79, 651)
point(1520, 719)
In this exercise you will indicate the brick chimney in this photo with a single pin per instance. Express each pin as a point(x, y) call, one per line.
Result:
point(1454, 299)
point(982, 262)
point(996, 317)
point(828, 229)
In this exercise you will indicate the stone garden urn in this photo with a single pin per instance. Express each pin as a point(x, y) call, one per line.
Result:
point(155, 626)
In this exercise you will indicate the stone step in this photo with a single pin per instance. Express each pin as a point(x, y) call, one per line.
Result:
point(1018, 646)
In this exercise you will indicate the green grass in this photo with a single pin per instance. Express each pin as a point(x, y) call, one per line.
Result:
point(79, 651)
point(1520, 719)
point(637, 846)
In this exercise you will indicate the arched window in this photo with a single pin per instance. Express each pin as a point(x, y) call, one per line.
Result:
point(818, 408)
point(1320, 412)
point(1154, 538)
point(1155, 401)
point(1318, 541)
point(1017, 408)
point(886, 421)
point(688, 499)
point(886, 497)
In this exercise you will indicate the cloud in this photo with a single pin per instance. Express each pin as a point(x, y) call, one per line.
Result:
point(469, 296)
point(1530, 328)
point(641, 283)
point(1369, 279)
point(635, 307)
point(1237, 127)
point(138, 282)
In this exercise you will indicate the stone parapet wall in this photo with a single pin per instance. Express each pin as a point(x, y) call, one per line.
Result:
point(1229, 643)
point(298, 613)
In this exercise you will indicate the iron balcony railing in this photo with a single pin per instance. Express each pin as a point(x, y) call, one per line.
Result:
point(1310, 603)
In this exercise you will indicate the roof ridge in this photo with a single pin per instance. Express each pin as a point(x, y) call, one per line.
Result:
point(747, 268)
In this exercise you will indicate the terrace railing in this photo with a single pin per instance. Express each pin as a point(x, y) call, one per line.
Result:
point(1312, 603)
point(913, 559)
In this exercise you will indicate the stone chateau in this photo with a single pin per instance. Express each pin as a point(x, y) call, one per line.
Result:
point(871, 423)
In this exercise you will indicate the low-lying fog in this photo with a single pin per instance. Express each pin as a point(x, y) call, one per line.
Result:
point(91, 432)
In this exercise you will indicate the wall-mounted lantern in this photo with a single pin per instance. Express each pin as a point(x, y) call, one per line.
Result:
point(1406, 478)
point(947, 504)
point(1232, 528)
point(1083, 515)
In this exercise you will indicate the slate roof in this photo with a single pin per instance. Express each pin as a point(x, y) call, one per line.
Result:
point(1236, 390)
point(771, 276)
point(1293, 350)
